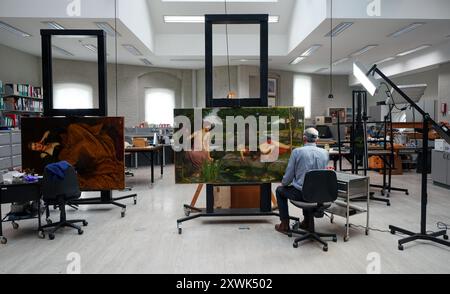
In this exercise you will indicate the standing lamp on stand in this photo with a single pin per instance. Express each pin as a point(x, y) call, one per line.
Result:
point(367, 79)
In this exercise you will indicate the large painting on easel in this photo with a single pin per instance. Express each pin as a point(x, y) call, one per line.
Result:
point(235, 145)
point(93, 145)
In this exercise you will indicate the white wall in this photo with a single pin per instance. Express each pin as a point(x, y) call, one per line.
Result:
point(19, 67)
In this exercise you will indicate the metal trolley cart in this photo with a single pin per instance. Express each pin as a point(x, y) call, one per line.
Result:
point(350, 187)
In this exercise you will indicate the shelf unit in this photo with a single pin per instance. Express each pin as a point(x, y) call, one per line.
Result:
point(21, 113)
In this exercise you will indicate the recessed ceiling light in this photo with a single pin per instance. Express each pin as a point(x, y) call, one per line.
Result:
point(133, 50)
point(297, 60)
point(339, 29)
point(53, 25)
point(339, 61)
point(413, 50)
point(13, 30)
point(91, 47)
point(385, 60)
point(108, 29)
point(363, 50)
point(310, 51)
point(321, 69)
point(201, 19)
point(406, 29)
point(187, 59)
point(221, 1)
point(62, 51)
point(146, 61)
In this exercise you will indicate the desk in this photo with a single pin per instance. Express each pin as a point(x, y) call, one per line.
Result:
point(19, 193)
point(149, 150)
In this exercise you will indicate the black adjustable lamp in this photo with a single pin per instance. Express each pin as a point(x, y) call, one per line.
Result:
point(367, 79)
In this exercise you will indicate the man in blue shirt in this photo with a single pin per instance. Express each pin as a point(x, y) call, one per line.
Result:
point(302, 161)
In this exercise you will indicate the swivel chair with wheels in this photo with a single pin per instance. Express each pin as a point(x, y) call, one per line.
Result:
point(320, 190)
point(59, 192)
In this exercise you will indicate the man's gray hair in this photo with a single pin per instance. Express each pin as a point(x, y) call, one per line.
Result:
point(311, 135)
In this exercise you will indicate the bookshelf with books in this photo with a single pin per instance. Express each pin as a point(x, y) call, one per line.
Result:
point(17, 101)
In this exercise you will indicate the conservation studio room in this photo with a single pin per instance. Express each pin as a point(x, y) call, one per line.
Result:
point(244, 137)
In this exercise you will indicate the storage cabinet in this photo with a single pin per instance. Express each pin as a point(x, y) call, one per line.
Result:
point(10, 150)
point(440, 164)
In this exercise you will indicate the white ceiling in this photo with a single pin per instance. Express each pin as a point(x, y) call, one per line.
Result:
point(182, 45)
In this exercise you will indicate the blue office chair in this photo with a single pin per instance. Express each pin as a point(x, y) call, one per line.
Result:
point(59, 193)
point(320, 190)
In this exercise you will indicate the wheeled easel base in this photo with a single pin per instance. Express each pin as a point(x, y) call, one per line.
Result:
point(113, 201)
point(433, 237)
point(224, 213)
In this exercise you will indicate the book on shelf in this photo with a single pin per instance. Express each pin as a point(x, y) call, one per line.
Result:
point(22, 90)
point(9, 121)
point(1, 88)
point(21, 104)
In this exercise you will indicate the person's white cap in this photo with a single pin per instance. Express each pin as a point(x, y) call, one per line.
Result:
point(311, 134)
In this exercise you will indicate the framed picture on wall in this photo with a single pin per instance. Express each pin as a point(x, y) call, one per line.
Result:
point(272, 87)
point(335, 112)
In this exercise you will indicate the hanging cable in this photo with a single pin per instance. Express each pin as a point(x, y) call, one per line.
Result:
point(116, 58)
point(331, 96)
point(228, 53)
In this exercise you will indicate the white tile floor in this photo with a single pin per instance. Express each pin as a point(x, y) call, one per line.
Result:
point(146, 240)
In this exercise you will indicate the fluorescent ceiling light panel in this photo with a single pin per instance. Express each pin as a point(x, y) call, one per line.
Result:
point(363, 50)
point(201, 19)
point(91, 47)
point(53, 25)
point(146, 61)
point(413, 50)
point(221, 1)
point(321, 70)
point(133, 50)
point(385, 60)
point(107, 28)
point(339, 61)
point(310, 51)
point(298, 60)
point(406, 29)
point(6, 27)
point(62, 51)
point(339, 29)
point(368, 81)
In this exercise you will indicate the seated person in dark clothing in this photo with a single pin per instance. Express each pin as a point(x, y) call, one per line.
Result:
point(302, 161)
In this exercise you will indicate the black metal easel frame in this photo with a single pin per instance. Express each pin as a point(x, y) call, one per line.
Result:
point(445, 133)
point(266, 189)
point(47, 74)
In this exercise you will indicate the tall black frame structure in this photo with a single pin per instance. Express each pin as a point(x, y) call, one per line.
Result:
point(226, 19)
point(106, 197)
point(266, 189)
point(47, 73)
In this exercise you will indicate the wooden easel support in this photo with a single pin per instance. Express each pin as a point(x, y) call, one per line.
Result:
point(200, 188)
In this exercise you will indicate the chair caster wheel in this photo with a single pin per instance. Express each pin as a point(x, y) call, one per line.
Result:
point(335, 239)
point(445, 237)
point(332, 219)
point(41, 234)
point(346, 239)
point(187, 212)
point(289, 235)
point(49, 221)
point(180, 231)
point(325, 248)
point(122, 214)
point(3, 240)
point(85, 224)
point(389, 204)
point(392, 232)
point(135, 201)
point(51, 236)
point(15, 226)
point(295, 245)
point(401, 248)
point(80, 232)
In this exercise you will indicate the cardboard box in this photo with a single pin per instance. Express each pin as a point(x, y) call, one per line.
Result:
point(140, 142)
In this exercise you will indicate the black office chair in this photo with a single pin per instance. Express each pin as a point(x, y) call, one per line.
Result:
point(319, 192)
point(58, 193)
